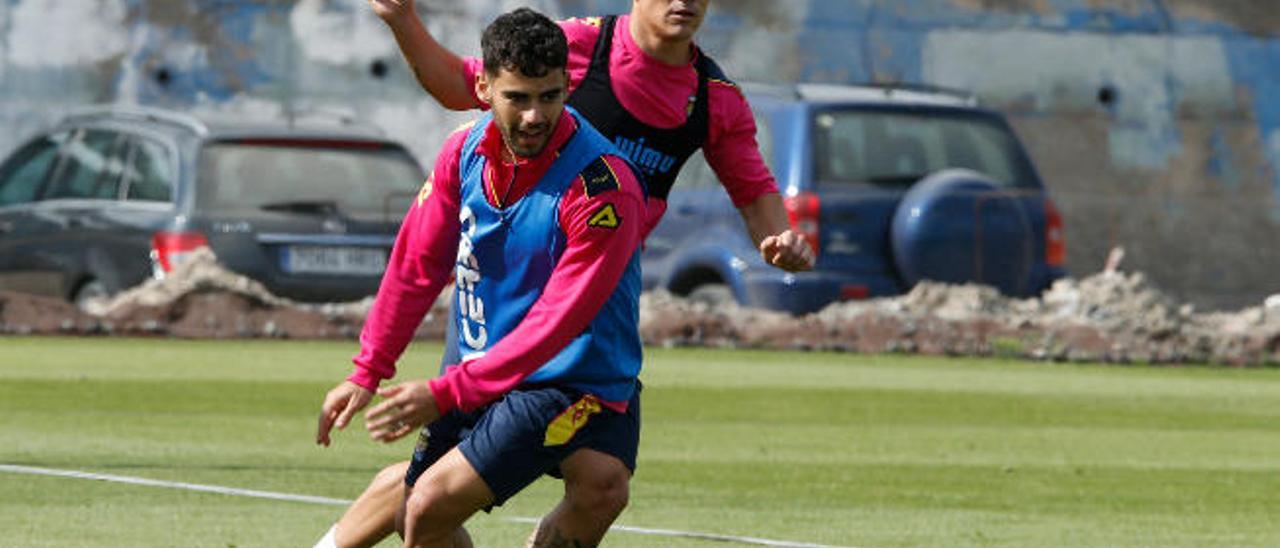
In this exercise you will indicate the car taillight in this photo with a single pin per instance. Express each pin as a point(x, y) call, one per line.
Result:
point(170, 249)
point(802, 211)
point(849, 292)
point(1055, 241)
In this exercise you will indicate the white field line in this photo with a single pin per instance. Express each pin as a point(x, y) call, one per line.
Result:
point(16, 469)
point(253, 493)
point(696, 535)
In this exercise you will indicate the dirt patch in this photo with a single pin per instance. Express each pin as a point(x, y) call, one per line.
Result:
point(1112, 316)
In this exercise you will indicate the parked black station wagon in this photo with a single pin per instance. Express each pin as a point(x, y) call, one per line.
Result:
point(114, 195)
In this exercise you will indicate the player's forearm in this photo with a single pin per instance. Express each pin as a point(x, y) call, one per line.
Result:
point(438, 70)
point(765, 216)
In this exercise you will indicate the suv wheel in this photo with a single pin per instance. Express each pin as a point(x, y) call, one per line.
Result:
point(91, 297)
point(712, 294)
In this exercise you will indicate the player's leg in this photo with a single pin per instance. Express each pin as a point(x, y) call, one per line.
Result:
point(434, 442)
point(596, 490)
point(441, 500)
point(499, 455)
point(373, 515)
point(597, 476)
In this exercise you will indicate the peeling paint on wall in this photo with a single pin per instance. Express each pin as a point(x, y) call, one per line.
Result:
point(1149, 76)
point(1259, 18)
point(65, 33)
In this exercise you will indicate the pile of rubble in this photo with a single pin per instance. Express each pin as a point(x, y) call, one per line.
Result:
point(199, 299)
point(1109, 317)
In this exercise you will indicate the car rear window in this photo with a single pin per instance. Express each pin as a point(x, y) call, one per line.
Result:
point(357, 179)
point(899, 148)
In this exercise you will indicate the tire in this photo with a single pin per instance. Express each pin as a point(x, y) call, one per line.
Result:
point(712, 294)
point(959, 226)
point(91, 297)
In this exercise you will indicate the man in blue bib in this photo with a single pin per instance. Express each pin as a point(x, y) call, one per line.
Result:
point(539, 219)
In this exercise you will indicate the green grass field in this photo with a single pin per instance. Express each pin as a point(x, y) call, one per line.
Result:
point(834, 449)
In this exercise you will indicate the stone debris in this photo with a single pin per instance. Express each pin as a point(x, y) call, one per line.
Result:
point(1111, 316)
point(198, 299)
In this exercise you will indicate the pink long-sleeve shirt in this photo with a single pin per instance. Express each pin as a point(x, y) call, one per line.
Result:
point(425, 253)
point(657, 94)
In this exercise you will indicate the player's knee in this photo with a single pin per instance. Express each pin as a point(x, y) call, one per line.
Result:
point(604, 496)
point(426, 514)
point(418, 504)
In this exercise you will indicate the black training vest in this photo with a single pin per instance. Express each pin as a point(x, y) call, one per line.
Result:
point(657, 153)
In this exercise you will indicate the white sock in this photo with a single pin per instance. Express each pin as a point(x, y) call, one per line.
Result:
point(330, 539)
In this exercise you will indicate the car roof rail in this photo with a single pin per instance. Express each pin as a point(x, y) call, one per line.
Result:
point(914, 93)
point(965, 96)
point(892, 92)
point(139, 112)
point(781, 90)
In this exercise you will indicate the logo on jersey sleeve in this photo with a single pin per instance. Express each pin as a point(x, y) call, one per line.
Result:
point(605, 217)
point(424, 440)
point(563, 427)
point(425, 192)
point(599, 177)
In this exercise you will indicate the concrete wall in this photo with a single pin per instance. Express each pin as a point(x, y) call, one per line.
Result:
point(1156, 123)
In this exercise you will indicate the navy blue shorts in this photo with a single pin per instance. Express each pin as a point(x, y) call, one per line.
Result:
point(515, 440)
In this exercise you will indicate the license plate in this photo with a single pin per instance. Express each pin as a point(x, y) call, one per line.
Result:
point(310, 259)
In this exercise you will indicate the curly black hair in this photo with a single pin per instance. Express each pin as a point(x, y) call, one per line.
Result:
point(526, 41)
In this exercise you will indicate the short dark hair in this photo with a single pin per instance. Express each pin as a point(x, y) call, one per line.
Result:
point(526, 41)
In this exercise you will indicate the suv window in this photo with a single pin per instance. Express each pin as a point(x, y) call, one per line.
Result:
point(899, 148)
point(358, 179)
point(22, 176)
point(150, 175)
point(92, 167)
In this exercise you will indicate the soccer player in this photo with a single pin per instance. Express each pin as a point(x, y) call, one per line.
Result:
point(643, 82)
point(540, 219)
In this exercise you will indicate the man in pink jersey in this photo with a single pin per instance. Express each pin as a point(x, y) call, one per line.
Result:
point(651, 69)
point(540, 219)
point(642, 82)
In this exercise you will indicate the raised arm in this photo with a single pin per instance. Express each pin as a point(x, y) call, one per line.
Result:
point(438, 70)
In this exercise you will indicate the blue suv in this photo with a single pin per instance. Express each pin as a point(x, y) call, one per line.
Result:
point(891, 185)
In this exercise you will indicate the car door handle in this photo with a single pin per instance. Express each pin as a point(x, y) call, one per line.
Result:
point(6, 227)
